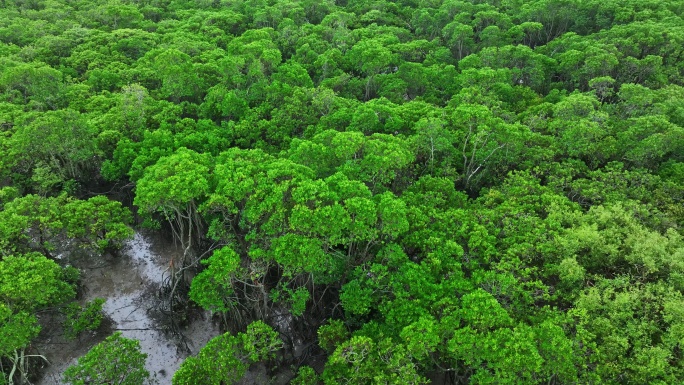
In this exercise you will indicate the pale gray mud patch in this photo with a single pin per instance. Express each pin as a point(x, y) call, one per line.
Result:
point(129, 284)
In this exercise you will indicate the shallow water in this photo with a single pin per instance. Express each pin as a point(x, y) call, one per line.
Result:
point(129, 284)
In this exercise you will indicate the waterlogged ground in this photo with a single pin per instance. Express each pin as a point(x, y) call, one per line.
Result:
point(129, 284)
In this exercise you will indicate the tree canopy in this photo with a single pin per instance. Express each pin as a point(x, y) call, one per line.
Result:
point(475, 192)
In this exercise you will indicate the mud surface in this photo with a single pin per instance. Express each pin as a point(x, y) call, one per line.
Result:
point(129, 284)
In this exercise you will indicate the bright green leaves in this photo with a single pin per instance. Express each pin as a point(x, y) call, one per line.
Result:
point(177, 74)
point(459, 38)
point(331, 335)
point(356, 299)
point(225, 359)
point(443, 175)
point(498, 350)
point(132, 158)
point(260, 342)
point(362, 214)
point(17, 330)
point(435, 212)
point(298, 253)
point(252, 199)
point(116, 360)
point(526, 211)
point(392, 216)
point(403, 291)
point(223, 104)
point(34, 84)
point(421, 338)
point(611, 238)
point(433, 145)
point(378, 160)
point(570, 271)
point(649, 140)
point(173, 182)
point(114, 14)
point(525, 66)
point(296, 299)
point(635, 329)
point(224, 369)
point(212, 288)
point(385, 156)
point(32, 281)
point(260, 53)
point(485, 139)
point(503, 356)
point(305, 376)
point(80, 319)
point(174, 187)
point(54, 147)
point(244, 179)
point(40, 216)
point(363, 361)
point(481, 311)
point(278, 195)
point(612, 247)
point(556, 349)
point(369, 57)
point(28, 283)
point(583, 131)
point(275, 213)
point(96, 224)
point(327, 221)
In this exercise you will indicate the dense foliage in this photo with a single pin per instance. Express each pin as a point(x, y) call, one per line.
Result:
point(484, 191)
point(116, 360)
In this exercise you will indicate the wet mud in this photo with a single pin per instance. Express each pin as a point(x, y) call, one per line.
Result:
point(129, 283)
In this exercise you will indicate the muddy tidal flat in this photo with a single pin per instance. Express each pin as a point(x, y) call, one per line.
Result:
point(129, 284)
